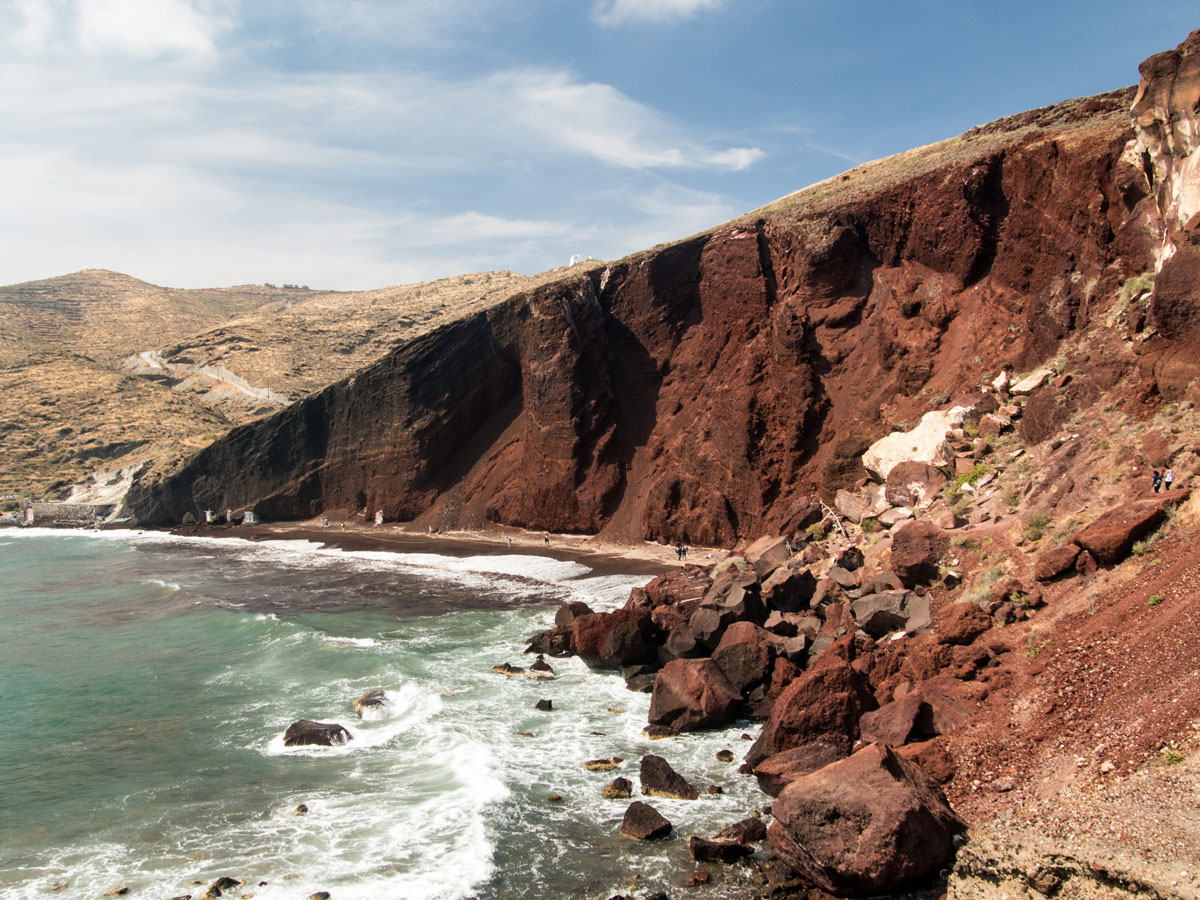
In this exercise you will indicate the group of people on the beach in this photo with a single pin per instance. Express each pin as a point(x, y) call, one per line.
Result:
point(681, 550)
point(1162, 480)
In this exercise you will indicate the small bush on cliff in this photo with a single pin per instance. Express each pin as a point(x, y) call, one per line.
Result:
point(1035, 526)
point(816, 531)
point(976, 472)
point(1154, 600)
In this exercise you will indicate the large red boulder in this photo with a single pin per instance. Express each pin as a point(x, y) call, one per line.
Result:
point(691, 694)
point(917, 548)
point(745, 655)
point(824, 704)
point(871, 823)
point(961, 623)
point(1111, 536)
point(914, 484)
point(611, 640)
point(1056, 563)
point(776, 772)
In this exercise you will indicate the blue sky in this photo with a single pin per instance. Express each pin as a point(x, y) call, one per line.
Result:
point(358, 143)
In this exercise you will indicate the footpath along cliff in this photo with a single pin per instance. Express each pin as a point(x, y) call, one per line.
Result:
point(939, 384)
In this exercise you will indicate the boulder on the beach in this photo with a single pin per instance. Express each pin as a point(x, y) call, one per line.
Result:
point(643, 822)
point(869, 824)
point(692, 694)
point(704, 850)
point(780, 769)
point(745, 655)
point(747, 831)
point(610, 640)
point(569, 612)
point(823, 704)
point(306, 732)
point(371, 702)
point(658, 779)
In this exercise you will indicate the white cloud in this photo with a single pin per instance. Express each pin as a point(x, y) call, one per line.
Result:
point(619, 12)
point(146, 28)
point(736, 158)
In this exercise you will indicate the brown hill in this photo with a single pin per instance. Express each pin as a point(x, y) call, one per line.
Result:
point(80, 403)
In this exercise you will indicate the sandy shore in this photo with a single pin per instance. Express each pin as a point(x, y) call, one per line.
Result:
point(602, 557)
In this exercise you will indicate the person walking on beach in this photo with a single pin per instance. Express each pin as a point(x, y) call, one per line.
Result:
point(509, 539)
point(1156, 480)
point(546, 536)
point(1168, 479)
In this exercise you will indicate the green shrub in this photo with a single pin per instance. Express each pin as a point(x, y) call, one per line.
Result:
point(1155, 599)
point(816, 531)
point(1171, 757)
point(971, 476)
point(971, 427)
point(1035, 526)
point(869, 526)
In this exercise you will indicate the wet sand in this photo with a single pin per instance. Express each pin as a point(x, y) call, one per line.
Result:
point(603, 558)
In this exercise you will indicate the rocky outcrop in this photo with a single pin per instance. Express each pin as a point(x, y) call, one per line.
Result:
point(868, 824)
point(705, 390)
point(917, 548)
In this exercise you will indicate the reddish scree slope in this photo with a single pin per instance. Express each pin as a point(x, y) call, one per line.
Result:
point(707, 389)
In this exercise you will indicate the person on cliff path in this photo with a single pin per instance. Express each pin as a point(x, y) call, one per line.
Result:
point(1168, 479)
point(1156, 480)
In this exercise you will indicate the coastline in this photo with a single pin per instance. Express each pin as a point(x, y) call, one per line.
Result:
point(602, 557)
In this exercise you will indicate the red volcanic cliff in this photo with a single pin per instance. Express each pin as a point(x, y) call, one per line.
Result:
point(707, 389)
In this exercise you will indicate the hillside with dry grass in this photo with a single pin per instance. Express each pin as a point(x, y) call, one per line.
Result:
point(77, 408)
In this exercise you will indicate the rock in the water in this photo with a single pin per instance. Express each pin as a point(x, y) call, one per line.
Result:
point(658, 779)
point(317, 734)
point(610, 640)
point(540, 668)
point(870, 823)
point(725, 755)
point(748, 831)
point(643, 822)
point(691, 694)
point(301, 810)
point(544, 705)
point(619, 788)
point(370, 703)
point(554, 641)
point(605, 764)
point(703, 850)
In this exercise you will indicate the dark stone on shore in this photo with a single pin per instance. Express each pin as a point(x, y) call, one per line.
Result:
point(725, 755)
point(307, 733)
point(869, 824)
point(376, 699)
point(610, 640)
point(643, 822)
point(747, 831)
point(554, 641)
point(544, 705)
point(660, 780)
point(703, 850)
point(639, 678)
point(604, 764)
point(619, 788)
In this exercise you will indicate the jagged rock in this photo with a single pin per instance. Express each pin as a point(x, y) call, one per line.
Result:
point(894, 723)
point(926, 443)
point(643, 822)
point(1111, 536)
point(993, 425)
point(823, 704)
point(614, 639)
point(370, 702)
point(569, 612)
point(888, 611)
point(539, 668)
point(619, 788)
point(705, 627)
point(788, 590)
point(544, 705)
point(842, 578)
point(1085, 563)
point(917, 548)
point(932, 757)
point(746, 831)
point(913, 484)
point(658, 779)
point(768, 553)
point(1031, 382)
point(780, 769)
point(851, 505)
point(554, 641)
point(691, 694)
point(871, 823)
point(639, 679)
point(961, 623)
point(850, 559)
point(307, 733)
point(703, 850)
point(745, 655)
point(894, 516)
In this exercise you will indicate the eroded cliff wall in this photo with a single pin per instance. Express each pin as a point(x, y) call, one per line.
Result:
point(706, 390)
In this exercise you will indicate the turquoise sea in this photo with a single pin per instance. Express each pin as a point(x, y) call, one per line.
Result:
point(146, 681)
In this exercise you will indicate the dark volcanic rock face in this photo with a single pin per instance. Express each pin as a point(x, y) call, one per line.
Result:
point(705, 390)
